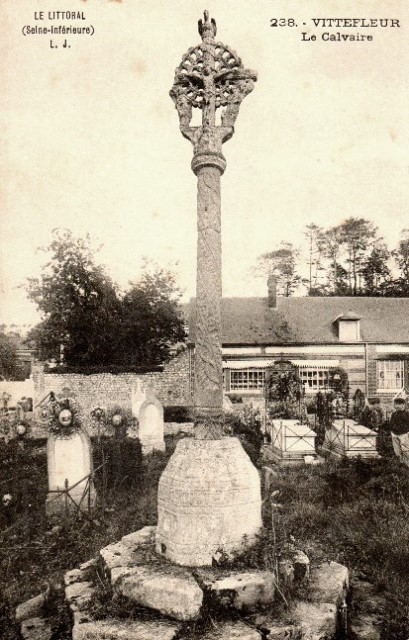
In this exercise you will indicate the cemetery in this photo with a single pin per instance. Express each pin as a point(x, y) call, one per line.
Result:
point(283, 520)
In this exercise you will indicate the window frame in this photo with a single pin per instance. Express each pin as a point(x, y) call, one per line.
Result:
point(325, 371)
point(381, 366)
point(259, 382)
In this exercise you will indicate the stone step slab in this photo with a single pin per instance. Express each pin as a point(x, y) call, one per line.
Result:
point(130, 550)
point(316, 621)
point(329, 583)
point(172, 592)
point(232, 631)
point(125, 630)
point(243, 591)
point(31, 608)
point(80, 574)
point(79, 595)
point(36, 629)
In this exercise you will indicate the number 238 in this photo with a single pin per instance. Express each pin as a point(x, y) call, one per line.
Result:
point(282, 22)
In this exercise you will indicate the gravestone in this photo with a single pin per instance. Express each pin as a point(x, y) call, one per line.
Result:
point(69, 461)
point(138, 397)
point(151, 427)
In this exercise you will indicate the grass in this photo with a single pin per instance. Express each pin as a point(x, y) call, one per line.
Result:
point(35, 551)
point(355, 512)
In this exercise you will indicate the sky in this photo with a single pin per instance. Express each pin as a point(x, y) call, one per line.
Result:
point(91, 140)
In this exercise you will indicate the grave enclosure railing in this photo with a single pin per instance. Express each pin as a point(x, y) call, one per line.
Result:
point(348, 438)
point(72, 508)
point(86, 494)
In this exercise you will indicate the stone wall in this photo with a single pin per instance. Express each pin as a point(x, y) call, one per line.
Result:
point(171, 386)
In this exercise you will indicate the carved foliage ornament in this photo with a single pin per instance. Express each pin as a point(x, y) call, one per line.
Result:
point(210, 76)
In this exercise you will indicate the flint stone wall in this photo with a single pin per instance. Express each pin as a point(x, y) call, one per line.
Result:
point(171, 386)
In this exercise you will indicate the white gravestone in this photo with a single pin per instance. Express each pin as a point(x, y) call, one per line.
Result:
point(138, 397)
point(151, 427)
point(70, 459)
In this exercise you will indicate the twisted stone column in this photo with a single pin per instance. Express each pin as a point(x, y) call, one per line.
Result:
point(208, 390)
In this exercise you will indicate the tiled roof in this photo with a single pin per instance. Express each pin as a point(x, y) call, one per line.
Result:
point(250, 321)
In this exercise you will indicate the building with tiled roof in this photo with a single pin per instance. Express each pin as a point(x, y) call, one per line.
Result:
point(368, 337)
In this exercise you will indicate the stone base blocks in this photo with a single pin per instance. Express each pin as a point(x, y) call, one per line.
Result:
point(124, 630)
point(242, 591)
point(209, 499)
point(173, 598)
point(150, 582)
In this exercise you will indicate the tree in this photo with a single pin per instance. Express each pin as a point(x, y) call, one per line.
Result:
point(152, 324)
point(375, 270)
point(8, 358)
point(317, 245)
point(399, 287)
point(78, 302)
point(401, 255)
point(282, 264)
point(89, 323)
point(336, 273)
point(357, 235)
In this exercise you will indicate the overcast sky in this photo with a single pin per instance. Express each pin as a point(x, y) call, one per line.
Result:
point(90, 137)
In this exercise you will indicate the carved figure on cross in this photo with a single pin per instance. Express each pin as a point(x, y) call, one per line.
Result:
point(210, 76)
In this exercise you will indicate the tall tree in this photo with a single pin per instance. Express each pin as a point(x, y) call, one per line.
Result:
point(78, 302)
point(400, 286)
point(332, 251)
point(316, 249)
point(282, 264)
point(375, 270)
point(152, 323)
point(357, 235)
point(401, 255)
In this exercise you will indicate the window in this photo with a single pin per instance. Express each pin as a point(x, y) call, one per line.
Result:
point(247, 379)
point(348, 330)
point(389, 374)
point(314, 378)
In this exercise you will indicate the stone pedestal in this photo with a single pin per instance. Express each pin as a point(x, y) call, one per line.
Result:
point(208, 499)
point(69, 459)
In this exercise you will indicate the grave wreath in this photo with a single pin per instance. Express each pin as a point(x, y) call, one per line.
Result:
point(119, 420)
point(65, 418)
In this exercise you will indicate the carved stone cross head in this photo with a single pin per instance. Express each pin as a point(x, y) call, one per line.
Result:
point(210, 76)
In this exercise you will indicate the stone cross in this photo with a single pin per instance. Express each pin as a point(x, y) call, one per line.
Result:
point(209, 494)
point(210, 76)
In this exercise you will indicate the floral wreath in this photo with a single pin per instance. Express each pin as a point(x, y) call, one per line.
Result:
point(338, 381)
point(118, 418)
point(65, 418)
point(10, 420)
